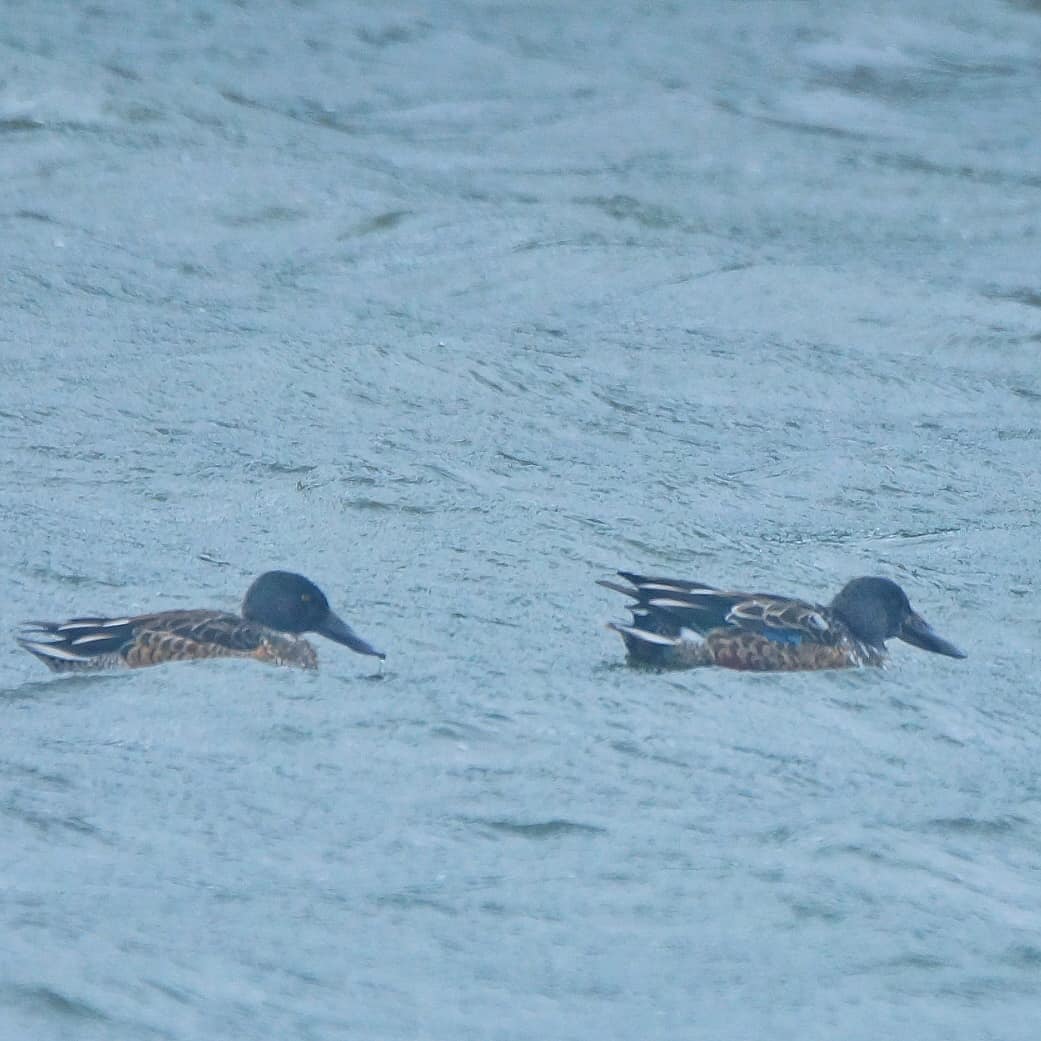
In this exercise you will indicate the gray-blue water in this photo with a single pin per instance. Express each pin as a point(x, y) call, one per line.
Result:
point(456, 308)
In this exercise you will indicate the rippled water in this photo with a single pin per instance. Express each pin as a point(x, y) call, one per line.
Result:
point(457, 308)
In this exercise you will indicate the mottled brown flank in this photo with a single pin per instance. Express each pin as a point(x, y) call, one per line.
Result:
point(155, 648)
point(752, 652)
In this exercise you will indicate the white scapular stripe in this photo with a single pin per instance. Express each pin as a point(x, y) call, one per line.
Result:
point(53, 650)
point(93, 623)
point(90, 638)
point(642, 634)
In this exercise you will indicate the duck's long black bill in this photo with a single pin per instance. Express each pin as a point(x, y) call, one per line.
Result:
point(919, 633)
point(335, 628)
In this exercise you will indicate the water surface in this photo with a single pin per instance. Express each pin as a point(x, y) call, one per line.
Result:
point(457, 308)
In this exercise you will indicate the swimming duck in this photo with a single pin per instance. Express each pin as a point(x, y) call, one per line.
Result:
point(277, 608)
point(679, 625)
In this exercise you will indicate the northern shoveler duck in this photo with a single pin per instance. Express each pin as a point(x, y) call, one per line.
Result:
point(680, 625)
point(278, 607)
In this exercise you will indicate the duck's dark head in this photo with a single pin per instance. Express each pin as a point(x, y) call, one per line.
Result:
point(876, 609)
point(291, 603)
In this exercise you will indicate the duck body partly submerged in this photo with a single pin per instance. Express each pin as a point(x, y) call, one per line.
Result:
point(680, 624)
point(277, 608)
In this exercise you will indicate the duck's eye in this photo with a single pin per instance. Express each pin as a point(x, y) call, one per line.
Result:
point(305, 597)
